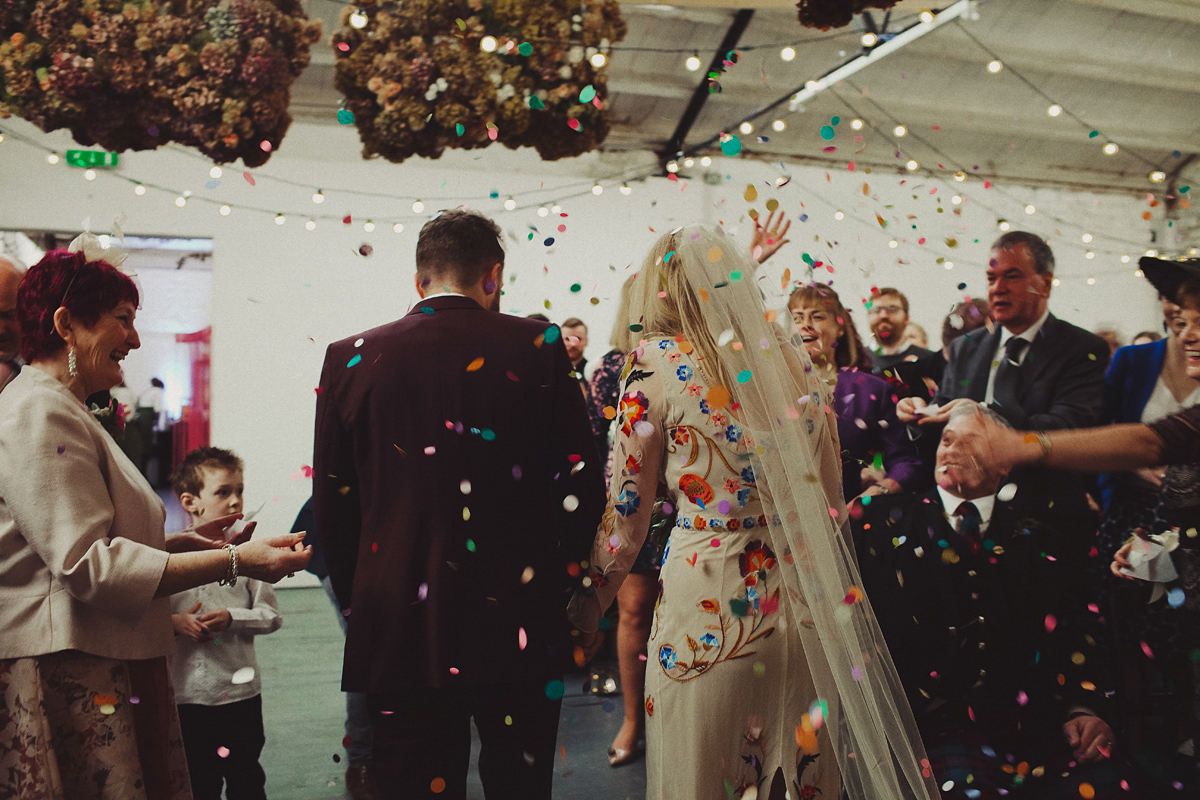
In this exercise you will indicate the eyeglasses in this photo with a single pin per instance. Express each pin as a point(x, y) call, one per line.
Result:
point(878, 310)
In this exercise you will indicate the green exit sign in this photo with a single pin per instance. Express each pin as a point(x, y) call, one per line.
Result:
point(91, 158)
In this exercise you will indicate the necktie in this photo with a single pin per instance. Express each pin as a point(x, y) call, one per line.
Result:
point(969, 524)
point(1008, 374)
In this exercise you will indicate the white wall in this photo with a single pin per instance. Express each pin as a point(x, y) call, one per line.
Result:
point(280, 293)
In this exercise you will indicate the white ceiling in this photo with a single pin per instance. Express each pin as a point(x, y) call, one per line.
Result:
point(1130, 70)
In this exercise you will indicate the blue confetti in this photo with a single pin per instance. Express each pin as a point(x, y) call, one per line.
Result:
point(804, 217)
point(212, 184)
point(1175, 597)
point(346, 117)
point(357, 358)
point(549, 241)
point(552, 334)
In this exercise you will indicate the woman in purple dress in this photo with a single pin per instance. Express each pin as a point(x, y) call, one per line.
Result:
point(868, 430)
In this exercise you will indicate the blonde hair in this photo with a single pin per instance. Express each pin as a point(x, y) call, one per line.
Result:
point(676, 314)
point(622, 339)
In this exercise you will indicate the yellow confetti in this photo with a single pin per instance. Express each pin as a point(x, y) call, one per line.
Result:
point(772, 204)
point(714, 254)
point(753, 214)
point(866, 189)
point(475, 365)
point(787, 278)
point(751, 193)
point(951, 242)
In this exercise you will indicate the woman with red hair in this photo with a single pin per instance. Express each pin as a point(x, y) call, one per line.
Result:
point(85, 570)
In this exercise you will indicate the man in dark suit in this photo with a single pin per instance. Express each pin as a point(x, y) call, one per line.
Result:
point(985, 616)
point(913, 371)
point(456, 488)
point(1036, 371)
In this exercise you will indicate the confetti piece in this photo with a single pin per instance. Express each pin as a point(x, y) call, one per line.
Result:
point(715, 543)
point(827, 132)
point(570, 502)
point(714, 254)
point(345, 116)
point(1022, 698)
point(1051, 623)
point(249, 178)
point(575, 125)
point(588, 94)
point(731, 146)
point(1175, 597)
point(522, 639)
point(525, 49)
point(576, 288)
point(1007, 492)
point(243, 675)
point(536, 103)
point(1146, 649)
point(555, 689)
point(1086, 791)
point(856, 673)
point(437, 785)
point(718, 397)
point(355, 360)
point(751, 194)
point(422, 591)
point(62, 448)
point(744, 376)
point(223, 751)
point(475, 365)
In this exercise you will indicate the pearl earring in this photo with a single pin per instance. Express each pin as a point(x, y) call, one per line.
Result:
point(71, 365)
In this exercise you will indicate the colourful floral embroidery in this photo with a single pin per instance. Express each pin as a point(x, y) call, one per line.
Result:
point(725, 638)
point(675, 358)
point(684, 372)
point(695, 390)
point(633, 409)
point(718, 418)
point(667, 656)
point(743, 497)
point(632, 465)
point(680, 435)
point(696, 489)
point(748, 475)
point(627, 501)
point(733, 434)
point(731, 485)
point(663, 344)
point(649, 706)
point(755, 558)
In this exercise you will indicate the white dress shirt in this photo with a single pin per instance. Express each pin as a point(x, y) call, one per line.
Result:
point(1029, 334)
point(950, 504)
point(203, 672)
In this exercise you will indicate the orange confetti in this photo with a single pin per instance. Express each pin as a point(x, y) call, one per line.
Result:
point(787, 278)
point(609, 412)
point(475, 365)
point(685, 346)
point(1086, 791)
point(104, 699)
point(718, 397)
point(771, 315)
point(437, 785)
point(881, 221)
point(1146, 215)
point(866, 189)
point(703, 295)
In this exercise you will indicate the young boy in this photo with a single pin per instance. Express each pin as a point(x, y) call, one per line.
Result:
point(214, 670)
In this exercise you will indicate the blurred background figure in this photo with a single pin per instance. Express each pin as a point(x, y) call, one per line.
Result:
point(10, 331)
point(1110, 335)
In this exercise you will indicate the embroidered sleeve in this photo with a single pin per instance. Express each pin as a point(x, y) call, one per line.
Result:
point(637, 468)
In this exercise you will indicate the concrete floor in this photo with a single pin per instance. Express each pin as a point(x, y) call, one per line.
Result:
point(304, 711)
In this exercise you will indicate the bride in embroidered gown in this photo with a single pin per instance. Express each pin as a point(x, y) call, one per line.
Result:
point(766, 670)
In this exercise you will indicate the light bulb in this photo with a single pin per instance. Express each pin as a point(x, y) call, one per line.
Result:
point(599, 60)
point(1054, 110)
point(705, 161)
point(1152, 253)
point(857, 124)
point(1056, 283)
point(746, 128)
point(893, 244)
point(1137, 273)
point(1089, 255)
point(692, 63)
point(672, 166)
point(1193, 252)
point(556, 209)
point(994, 66)
point(418, 206)
point(839, 215)
point(311, 225)
point(215, 172)
point(318, 197)
point(280, 219)
point(626, 189)
point(960, 176)
point(689, 162)
point(948, 264)
point(139, 190)
point(89, 174)
point(358, 19)
point(1110, 149)
point(868, 39)
point(597, 189)
point(368, 226)
point(543, 211)
point(2, 137)
point(814, 86)
point(1091, 281)
point(787, 53)
point(224, 211)
point(956, 199)
point(911, 165)
point(180, 201)
point(52, 158)
point(1087, 237)
point(1158, 176)
point(398, 228)
point(1031, 209)
point(778, 125)
point(510, 204)
point(1125, 259)
point(899, 131)
point(926, 16)
point(488, 44)
point(1004, 225)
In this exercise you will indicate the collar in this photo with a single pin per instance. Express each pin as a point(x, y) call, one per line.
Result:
point(1028, 334)
point(951, 502)
point(894, 350)
point(443, 294)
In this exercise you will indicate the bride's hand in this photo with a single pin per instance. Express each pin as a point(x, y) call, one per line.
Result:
point(769, 238)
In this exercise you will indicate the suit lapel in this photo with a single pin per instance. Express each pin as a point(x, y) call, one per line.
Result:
point(981, 365)
point(1040, 355)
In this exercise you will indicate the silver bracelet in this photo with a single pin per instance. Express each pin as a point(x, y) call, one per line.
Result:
point(231, 572)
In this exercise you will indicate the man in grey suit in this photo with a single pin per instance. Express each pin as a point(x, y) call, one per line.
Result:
point(1034, 369)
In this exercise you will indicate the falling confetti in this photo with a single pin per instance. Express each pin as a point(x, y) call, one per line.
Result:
point(243, 675)
point(475, 365)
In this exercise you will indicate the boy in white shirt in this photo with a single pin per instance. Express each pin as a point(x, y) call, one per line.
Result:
point(215, 673)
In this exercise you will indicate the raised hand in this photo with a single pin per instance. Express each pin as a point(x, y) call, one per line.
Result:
point(770, 237)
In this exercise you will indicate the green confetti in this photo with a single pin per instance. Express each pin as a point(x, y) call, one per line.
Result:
point(488, 435)
point(555, 689)
point(836, 120)
point(588, 94)
point(1184, 189)
point(806, 258)
point(731, 146)
point(744, 376)
point(525, 49)
point(459, 129)
point(736, 275)
point(535, 102)
point(636, 327)
point(462, 26)
point(346, 117)
point(471, 545)
point(827, 132)
point(1093, 134)
point(552, 334)
point(357, 358)
point(575, 287)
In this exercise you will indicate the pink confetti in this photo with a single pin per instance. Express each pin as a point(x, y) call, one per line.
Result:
point(1051, 623)
point(493, 134)
point(223, 751)
point(833, 512)
point(715, 542)
point(1022, 698)
point(1146, 649)
point(574, 124)
point(430, 450)
point(830, 149)
point(249, 178)
point(454, 670)
point(522, 639)
point(265, 145)
point(856, 673)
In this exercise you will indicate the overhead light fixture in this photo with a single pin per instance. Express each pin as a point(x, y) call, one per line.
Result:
point(1004, 225)
point(626, 189)
point(597, 189)
point(225, 210)
point(960, 176)
point(857, 124)
point(1031, 209)
point(814, 85)
point(893, 244)
point(280, 219)
point(89, 174)
point(215, 173)
point(927, 16)
point(787, 53)
point(1054, 110)
point(139, 190)
point(543, 211)
point(556, 209)
point(318, 197)
point(311, 225)
point(779, 125)
point(510, 204)
point(911, 165)
point(358, 19)
point(599, 60)
point(948, 264)
point(1091, 281)
point(1110, 149)
point(398, 227)
point(368, 226)
point(488, 44)
point(180, 201)
point(956, 199)
point(868, 39)
point(418, 206)
point(839, 215)
point(1152, 253)
point(689, 162)
point(746, 128)
point(705, 161)
point(1056, 283)
point(900, 131)
point(52, 158)
point(692, 63)
point(672, 166)
point(1089, 255)
point(994, 66)
point(1158, 176)
point(1086, 238)
point(1125, 259)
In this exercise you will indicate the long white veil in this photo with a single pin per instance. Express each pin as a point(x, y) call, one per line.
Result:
point(797, 469)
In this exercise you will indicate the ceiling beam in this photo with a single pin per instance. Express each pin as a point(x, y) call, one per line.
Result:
point(741, 20)
point(1178, 10)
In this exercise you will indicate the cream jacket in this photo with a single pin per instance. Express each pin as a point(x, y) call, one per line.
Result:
point(81, 533)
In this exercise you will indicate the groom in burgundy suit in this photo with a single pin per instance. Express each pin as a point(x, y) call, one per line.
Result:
point(456, 487)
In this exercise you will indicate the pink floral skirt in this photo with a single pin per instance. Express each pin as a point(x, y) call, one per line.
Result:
point(75, 726)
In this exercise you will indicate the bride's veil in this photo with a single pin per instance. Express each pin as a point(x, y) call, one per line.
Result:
point(781, 402)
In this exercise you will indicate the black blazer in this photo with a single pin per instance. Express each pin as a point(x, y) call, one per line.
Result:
point(989, 630)
point(1062, 376)
point(455, 476)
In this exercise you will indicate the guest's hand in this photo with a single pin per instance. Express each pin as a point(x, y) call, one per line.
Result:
point(217, 530)
point(190, 626)
point(1121, 560)
point(216, 621)
point(1151, 475)
point(271, 559)
point(1089, 737)
point(586, 646)
point(769, 238)
point(190, 541)
point(906, 409)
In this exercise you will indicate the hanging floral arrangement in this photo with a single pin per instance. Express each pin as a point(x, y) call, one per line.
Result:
point(422, 75)
point(136, 74)
point(826, 14)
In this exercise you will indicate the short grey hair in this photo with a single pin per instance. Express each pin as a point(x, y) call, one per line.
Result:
point(1043, 256)
point(973, 407)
